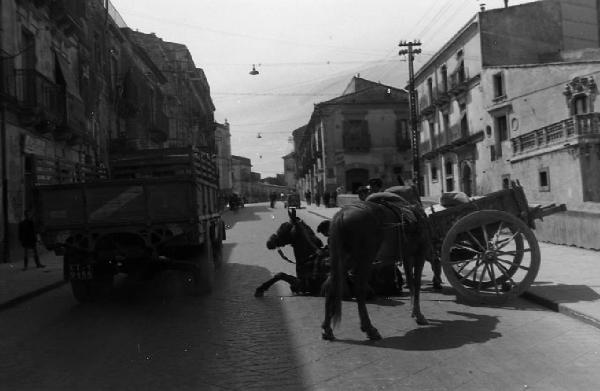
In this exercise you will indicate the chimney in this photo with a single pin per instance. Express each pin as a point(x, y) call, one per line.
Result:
point(482, 7)
point(505, 3)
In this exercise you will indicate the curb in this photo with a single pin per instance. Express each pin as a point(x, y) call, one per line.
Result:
point(542, 301)
point(561, 308)
point(30, 295)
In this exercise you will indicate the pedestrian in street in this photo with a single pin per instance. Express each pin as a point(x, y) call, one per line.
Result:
point(273, 198)
point(363, 192)
point(400, 180)
point(375, 185)
point(307, 195)
point(318, 198)
point(28, 239)
point(326, 198)
point(334, 198)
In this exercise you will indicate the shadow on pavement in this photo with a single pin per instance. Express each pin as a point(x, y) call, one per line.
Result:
point(148, 336)
point(441, 334)
point(564, 293)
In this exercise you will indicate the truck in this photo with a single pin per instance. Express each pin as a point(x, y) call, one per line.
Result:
point(157, 211)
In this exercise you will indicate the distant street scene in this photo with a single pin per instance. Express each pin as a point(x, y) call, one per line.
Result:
point(300, 195)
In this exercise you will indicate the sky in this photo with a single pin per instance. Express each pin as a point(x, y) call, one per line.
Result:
point(306, 52)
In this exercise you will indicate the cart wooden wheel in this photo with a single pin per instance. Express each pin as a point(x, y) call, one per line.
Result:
point(490, 256)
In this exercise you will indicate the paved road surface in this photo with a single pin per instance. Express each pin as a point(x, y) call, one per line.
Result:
point(149, 336)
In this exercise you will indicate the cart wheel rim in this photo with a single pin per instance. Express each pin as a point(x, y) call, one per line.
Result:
point(490, 256)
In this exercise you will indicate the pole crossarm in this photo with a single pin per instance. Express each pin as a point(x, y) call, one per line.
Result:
point(410, 48)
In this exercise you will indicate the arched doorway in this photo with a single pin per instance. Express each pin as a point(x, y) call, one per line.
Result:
point(356, 178)
point(467, 179)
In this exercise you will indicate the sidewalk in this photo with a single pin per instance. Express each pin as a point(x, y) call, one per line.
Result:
point(568, 280)
point(18, 285)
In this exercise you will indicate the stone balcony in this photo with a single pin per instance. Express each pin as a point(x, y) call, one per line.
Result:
point(569, 132)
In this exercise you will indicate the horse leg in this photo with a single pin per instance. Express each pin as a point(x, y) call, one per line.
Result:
point(417, 264)
point(436, 268)
point(361, 287)
point(293, 281)
point(329, 310)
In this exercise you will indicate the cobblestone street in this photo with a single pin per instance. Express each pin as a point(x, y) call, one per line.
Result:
point(150, 336)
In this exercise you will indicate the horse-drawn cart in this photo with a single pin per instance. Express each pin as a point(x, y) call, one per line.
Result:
point(487, 248)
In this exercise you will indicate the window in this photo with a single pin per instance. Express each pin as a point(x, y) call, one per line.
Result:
point(544, 179)
point(446, 124)
point(502, 126)
point(444, 72)
point(579, 105)
point(403, 139)
point(506, 181)
point(431, 126)
point(464, 122)
point(356, 137)
point(449, 168)
point(498, 85)
point(430, 90)
point(492, 153)
point(449, 171)
point(434, 173)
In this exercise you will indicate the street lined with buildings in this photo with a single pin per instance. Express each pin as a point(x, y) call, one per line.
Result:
point(150, 335)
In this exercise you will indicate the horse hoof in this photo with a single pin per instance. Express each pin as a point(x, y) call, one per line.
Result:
point(259, 293)
point(328, 335)
point(422, 321)
point(374, 335)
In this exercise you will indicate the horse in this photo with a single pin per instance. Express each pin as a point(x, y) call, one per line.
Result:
point(356, 235)
point(410, 194)
point(311, 262)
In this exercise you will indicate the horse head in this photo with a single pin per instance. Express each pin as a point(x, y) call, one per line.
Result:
point(297, 234)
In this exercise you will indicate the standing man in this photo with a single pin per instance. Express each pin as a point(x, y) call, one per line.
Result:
point(28, 239)
point(307, 196)
point(375, 185)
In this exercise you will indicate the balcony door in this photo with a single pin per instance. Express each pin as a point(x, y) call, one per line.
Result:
point(356, 178)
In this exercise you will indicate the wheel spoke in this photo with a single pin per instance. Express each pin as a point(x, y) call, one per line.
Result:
point(513, 252)
point(463, 247)
point(466, 261)
point(485, 236)
point(471, 272)
point(512, 263)
point(481, 278)
point(476, 241)
point(493, 277)
point(497, 234)
point(502, 243)
point(505, 272)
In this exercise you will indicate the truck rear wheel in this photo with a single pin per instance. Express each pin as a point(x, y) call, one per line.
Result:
point(200, 279)
point(86, 291)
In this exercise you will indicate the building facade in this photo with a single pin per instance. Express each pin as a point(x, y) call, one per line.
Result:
point(498, 82)
point(75, 88)
point(289, 170)
point(357, 136)
point(241, 169)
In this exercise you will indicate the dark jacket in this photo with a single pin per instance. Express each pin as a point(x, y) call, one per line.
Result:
point(27, 235)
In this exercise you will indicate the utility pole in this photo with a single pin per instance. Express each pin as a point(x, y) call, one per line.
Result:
point(412, 103)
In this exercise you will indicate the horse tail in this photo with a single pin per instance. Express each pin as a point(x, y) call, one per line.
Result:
point(338, 269)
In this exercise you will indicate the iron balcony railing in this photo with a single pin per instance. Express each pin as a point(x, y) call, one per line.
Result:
point(556, 133)
point(34, 91)
point(7, 75)
point(38, 95)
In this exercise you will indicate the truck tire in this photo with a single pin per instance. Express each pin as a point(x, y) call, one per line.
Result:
point(200, 278)
point(86, 291)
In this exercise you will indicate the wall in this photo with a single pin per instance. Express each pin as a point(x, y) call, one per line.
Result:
point(508, 35)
